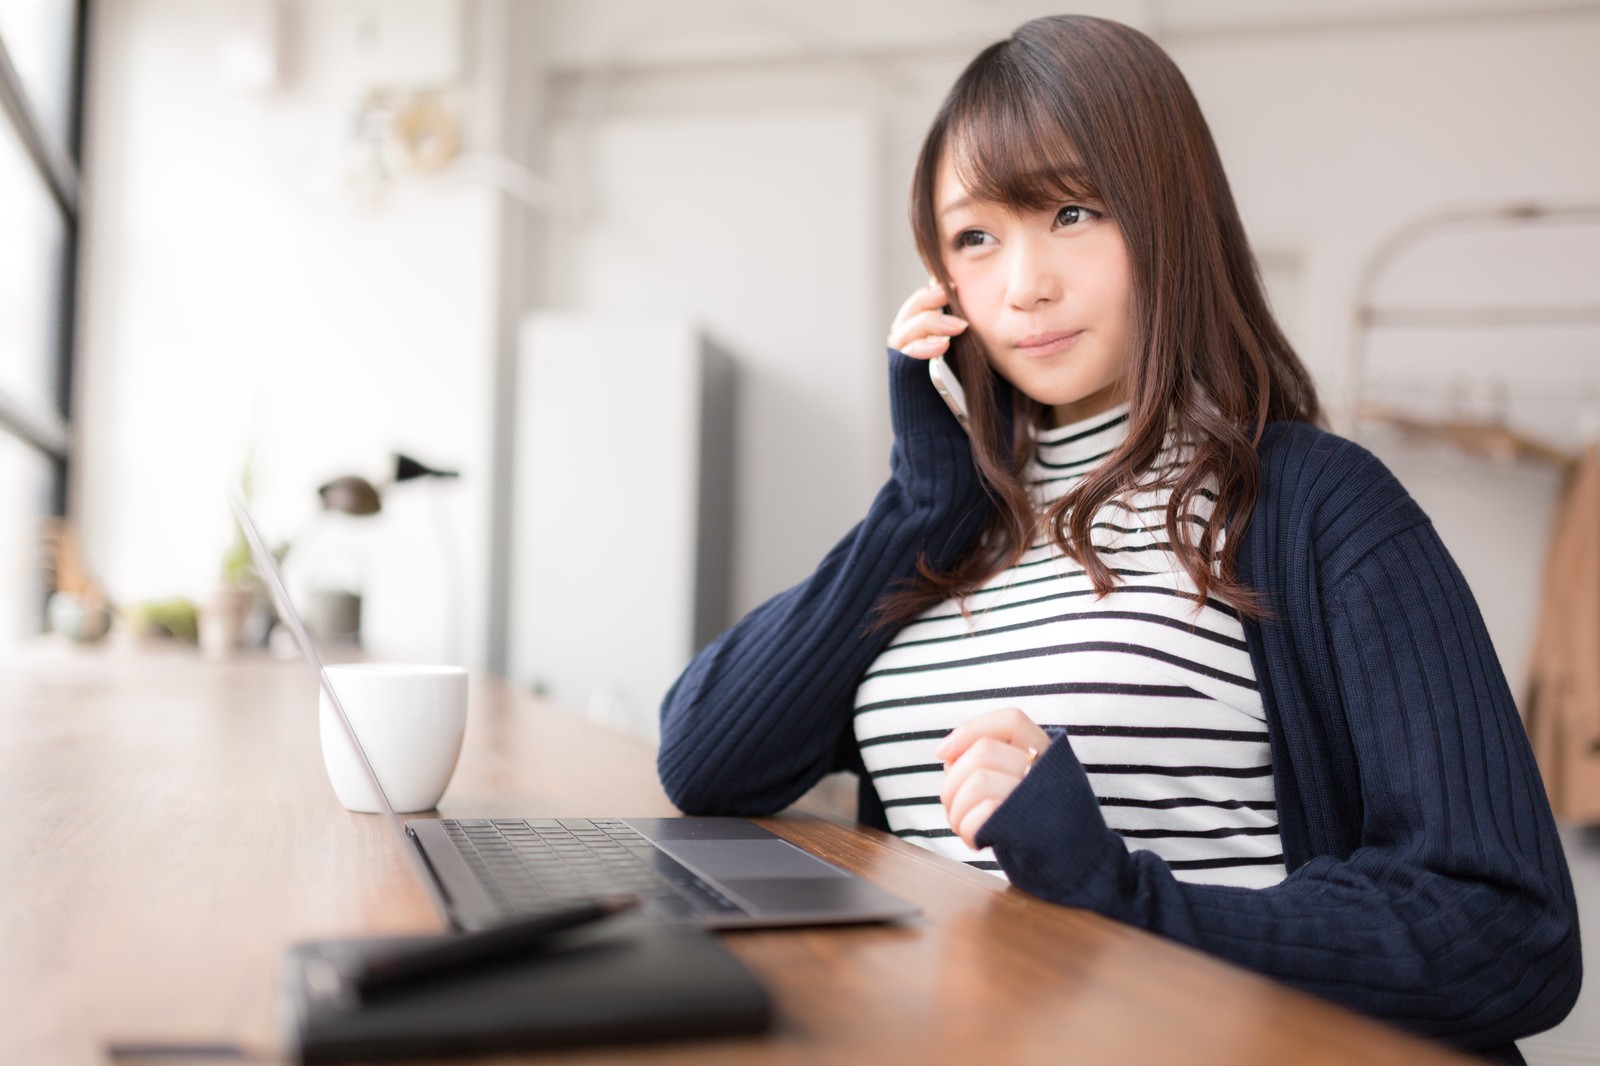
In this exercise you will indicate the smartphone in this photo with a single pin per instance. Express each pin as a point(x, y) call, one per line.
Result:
point(955, 397)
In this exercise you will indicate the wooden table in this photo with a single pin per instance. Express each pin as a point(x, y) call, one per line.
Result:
point(166, 829)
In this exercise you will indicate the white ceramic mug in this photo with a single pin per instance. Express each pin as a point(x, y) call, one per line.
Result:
point(410, 720)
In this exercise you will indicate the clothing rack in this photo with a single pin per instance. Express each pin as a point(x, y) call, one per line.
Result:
point(1490, 437)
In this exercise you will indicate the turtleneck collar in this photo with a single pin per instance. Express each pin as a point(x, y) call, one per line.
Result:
point(1079, 441)
point(1066, 453)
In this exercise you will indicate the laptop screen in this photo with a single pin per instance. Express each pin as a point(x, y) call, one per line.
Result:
point(267, 569)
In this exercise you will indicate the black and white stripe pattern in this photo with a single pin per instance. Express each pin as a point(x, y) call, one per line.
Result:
point(1158, 700)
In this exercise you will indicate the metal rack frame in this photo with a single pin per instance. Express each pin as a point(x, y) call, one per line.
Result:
point(1370, 315)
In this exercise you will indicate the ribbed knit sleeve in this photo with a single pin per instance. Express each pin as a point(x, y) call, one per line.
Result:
point(764, 711)
point(1450, 912)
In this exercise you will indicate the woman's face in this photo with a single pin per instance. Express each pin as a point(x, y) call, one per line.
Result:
point(1047, 293)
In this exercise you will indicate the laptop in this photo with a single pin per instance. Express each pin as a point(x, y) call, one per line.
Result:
point(715, 873)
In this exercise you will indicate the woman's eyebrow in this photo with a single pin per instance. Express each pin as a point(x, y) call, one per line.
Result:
point(955, 205)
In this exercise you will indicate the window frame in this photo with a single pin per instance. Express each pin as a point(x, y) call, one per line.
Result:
point(59, 168)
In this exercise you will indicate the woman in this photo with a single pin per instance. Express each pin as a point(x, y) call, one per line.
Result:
point(1149, 642)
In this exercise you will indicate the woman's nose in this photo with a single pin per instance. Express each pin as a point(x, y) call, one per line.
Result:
point(1031, 278)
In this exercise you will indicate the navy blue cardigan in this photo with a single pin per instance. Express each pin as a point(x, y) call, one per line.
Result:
point(1426, 885)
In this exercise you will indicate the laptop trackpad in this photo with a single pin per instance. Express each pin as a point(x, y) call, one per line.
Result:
point(837, 897)
point(737, 859)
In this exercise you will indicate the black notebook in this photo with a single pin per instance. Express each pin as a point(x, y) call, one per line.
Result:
point(620, 980)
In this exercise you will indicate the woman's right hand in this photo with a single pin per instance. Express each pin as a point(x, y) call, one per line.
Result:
point(922, 330)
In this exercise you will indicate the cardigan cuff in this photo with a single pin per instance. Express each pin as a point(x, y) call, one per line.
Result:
point(1051, 839)
point(915, 406)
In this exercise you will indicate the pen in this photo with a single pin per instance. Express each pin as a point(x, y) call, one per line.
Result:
point(372, 976)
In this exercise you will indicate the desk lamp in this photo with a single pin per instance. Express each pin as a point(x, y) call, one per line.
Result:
point(336, 614)
point(354, 495)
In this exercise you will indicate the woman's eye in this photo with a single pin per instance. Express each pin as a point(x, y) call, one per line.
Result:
point(1072, 214)
point(971, 238)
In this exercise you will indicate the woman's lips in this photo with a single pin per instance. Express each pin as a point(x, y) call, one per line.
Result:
point(1042, 344)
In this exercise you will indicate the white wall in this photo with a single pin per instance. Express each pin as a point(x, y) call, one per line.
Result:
point(741, 223)
point(745, 164)
point(1334, 140)
point(237, 294)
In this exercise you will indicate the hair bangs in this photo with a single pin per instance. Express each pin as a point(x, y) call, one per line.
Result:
point(1006, 152)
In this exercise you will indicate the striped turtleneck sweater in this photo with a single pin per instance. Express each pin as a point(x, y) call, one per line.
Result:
point(1155, 693)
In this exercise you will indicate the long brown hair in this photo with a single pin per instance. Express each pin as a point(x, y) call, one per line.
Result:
point(1073, 107)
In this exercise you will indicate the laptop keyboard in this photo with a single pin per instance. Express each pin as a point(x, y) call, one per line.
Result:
point(528, 866)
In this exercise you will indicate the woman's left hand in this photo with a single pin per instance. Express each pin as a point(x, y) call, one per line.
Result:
point(985, 758)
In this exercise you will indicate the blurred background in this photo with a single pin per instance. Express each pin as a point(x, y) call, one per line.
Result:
point(546, 336)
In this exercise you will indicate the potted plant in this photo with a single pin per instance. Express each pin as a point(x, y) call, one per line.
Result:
point(225, 610)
